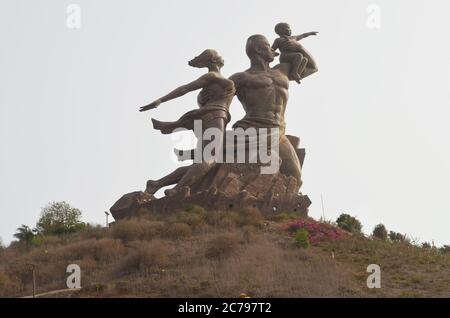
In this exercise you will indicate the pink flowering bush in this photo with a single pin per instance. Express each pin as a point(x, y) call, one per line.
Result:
point(318, 231)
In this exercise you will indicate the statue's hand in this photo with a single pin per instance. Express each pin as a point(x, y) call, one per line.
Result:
point(312, 33)
point(153, 105)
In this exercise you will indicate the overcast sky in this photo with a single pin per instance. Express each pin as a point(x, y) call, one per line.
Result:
point(374, 120)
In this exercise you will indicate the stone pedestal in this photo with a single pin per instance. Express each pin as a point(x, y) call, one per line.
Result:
point(226, 187)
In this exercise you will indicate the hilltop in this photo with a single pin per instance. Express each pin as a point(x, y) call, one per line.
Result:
point(223, 254)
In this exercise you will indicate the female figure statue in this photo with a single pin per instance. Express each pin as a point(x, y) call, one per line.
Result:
point(214, 101)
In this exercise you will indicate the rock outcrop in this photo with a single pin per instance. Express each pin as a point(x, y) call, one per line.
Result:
point(226, 187)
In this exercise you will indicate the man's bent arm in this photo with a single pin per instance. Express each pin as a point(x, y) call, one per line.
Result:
point(311, 67)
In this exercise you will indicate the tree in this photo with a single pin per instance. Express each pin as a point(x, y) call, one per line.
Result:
point(59, 218)
point(426, 245)
point(349, 223)
point(398, 237)
point(380, 232)
point(25, 234)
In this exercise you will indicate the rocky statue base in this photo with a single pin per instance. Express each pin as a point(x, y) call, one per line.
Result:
point(224, 187)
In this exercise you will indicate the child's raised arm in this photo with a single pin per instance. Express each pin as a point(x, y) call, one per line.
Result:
point(305, 35)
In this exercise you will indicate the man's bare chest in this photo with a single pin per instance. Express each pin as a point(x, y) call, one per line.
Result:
point(270, 80)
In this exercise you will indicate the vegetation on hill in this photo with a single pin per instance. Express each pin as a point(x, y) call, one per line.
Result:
point(57, 218)
point(197, 253)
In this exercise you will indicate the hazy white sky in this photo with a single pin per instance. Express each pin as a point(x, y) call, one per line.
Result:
point(374, 120)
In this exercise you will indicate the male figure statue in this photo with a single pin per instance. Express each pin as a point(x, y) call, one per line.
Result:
point(263, 92)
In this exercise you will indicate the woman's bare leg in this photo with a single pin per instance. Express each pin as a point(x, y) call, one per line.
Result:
point(198, 170)
point(172, 178)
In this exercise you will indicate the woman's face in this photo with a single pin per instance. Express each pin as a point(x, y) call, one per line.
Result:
point(205, 61)
point(219, 61)
point(197, 62)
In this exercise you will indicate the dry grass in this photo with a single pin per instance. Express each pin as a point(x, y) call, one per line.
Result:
point(178, 231)
point(407, 270)
point(145, 256)
point(137, 229)
point(222, 246)
point(218, 254)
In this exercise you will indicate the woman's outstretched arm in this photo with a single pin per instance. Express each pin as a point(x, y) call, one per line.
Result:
point(180, 91)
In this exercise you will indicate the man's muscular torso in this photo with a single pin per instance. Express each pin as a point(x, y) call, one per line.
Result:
point(263, 94)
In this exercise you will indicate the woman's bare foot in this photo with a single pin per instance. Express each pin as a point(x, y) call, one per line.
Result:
point(152, 187)
point(182, 192)
point(169, 192)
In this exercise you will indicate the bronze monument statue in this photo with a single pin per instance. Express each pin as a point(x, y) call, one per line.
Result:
point(214, 101)
point(293, 52)
point(263, 92)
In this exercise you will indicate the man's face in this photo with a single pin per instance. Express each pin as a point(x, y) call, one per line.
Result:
point(265, 51)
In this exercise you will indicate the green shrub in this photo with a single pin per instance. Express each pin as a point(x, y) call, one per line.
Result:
point(398, 237)
point(380, 232)
point(349, 223)
point(302, 238)
point(230, 219)
point(284, 217)
point(426, 245)
point(25, 234)
point(59, 218)
point(193, 215)
point(37, 240)
point(195, 209)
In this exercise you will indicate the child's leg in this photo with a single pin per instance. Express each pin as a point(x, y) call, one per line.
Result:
point(297, 64)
